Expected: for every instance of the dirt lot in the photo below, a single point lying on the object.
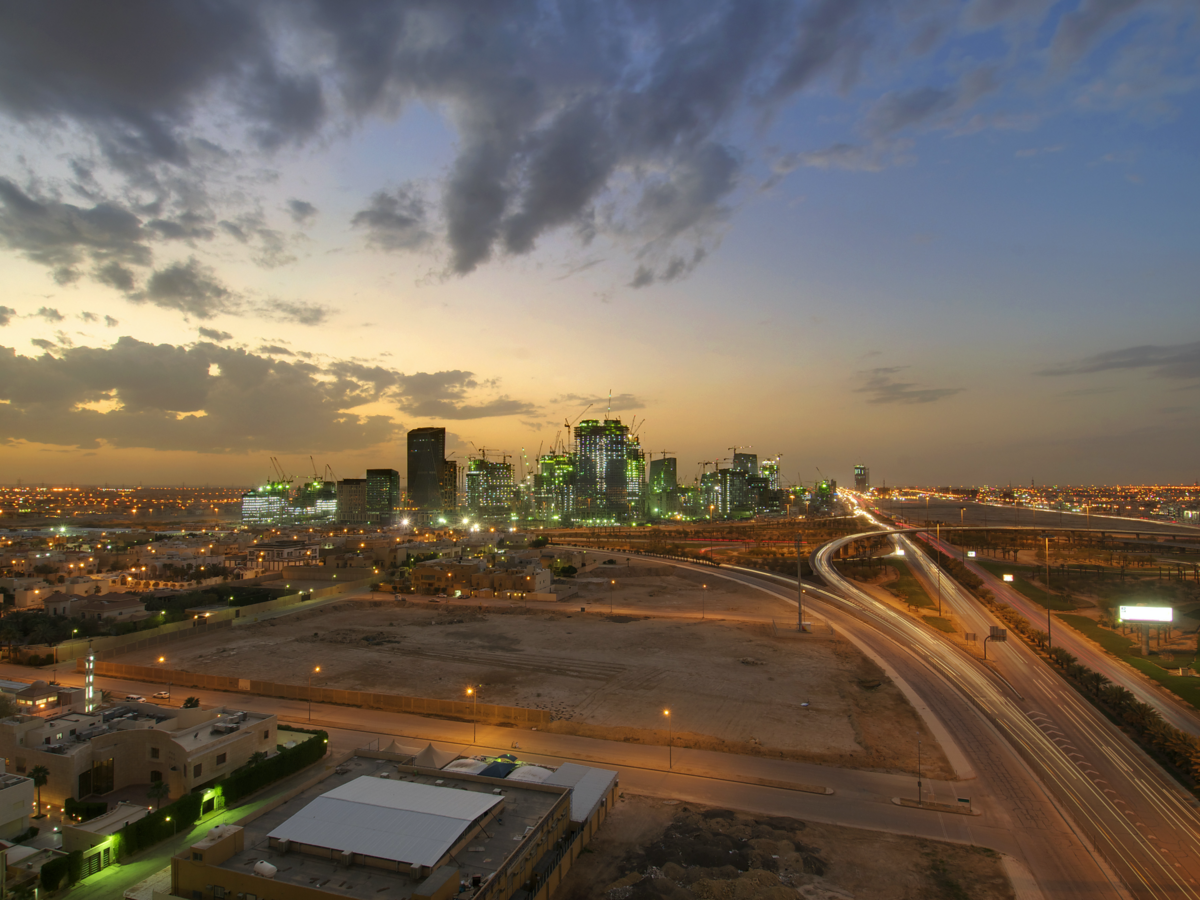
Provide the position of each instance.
(651, 848)
(731, 684)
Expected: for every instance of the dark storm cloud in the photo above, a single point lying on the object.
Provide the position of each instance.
(6, 315)
(883, 387)
(595, 117)
(1181, 361)
(393, 221)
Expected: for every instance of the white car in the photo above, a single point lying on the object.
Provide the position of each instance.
(135, 698)
(162, 695)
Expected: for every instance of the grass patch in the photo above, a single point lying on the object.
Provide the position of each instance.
(940, 623)
(908, 588)
(1026, 588)
(1186, 687)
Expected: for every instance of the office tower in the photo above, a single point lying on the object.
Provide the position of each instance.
(610, 472)
(352, 501)
(426, 469)
(770, 470)
(489, 488)
(383, 496)
(664, 483)
(747, 462)
(449, 486)
(862, 479)
(733, 494)
(554, 488)
(267, 505)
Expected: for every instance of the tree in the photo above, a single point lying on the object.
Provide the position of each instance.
(159, 791)
(191, 703)
(256, 757)
(40, 775)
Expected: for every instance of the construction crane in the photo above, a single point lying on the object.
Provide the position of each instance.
(283, 476)
(329, 476)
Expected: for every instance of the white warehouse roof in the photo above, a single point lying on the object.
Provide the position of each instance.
(396, 820)
(588, 786)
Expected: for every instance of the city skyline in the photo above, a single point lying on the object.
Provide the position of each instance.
(952, 241)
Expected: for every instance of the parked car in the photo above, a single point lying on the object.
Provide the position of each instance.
(136, 698)
(162, 695)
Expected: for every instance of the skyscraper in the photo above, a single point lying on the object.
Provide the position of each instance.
(554, 488)
(352, 501)
(862, 479)
(610, 472)
(383, 496)
(489, 487)
(664, 483)
(426, 469)
(747, 462)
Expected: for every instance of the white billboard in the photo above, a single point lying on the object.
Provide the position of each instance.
(1008, 578)
(1147, 614)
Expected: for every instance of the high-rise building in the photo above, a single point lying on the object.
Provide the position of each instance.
(862, 479)
(733, 493)
(610, 473)
(352, 501)
(554, 489)
(426, 469)
(267, 505)
(315, 502)
(383, 496)
(770, 470)
(747, 462)
(664, 485)
(449, 485)
(489, 488)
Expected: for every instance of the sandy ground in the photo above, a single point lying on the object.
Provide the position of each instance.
(651, 848)
(734, 684)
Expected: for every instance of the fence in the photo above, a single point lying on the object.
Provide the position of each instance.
(422, 706)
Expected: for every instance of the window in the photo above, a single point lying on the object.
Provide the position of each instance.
(266, 735)
(218, 892)
(154, 753)
(221, 759)
(197, 857)
(155, 776)
(197, 769)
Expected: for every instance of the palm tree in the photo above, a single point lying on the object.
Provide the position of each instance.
(158, 792)
(40, 775)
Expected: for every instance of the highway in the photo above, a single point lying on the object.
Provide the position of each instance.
(1143, 824)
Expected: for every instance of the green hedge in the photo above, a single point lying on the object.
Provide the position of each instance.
(248, 779)
(61, 868)
(137, 836)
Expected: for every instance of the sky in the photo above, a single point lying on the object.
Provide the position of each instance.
(955, 241)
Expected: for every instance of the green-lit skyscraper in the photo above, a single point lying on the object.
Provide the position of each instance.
(610, 473)
(489, 488)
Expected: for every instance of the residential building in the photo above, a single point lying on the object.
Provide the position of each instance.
(121, 608)
(96, 839)
(135, 743)
(18, 797)
(274, 556)
(862, 479)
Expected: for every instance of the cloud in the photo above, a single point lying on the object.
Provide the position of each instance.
(110, 322)
(190, 288)
(43, 344)
(7, 314)
(49, 314)
(1177, 361)
(883, 387)
(213, 334)
(274, 350)
(298, 312)
(618, 402)
(853, 157)
(393, 221)
(1079, 30)
(1029, 152)
(301, 211)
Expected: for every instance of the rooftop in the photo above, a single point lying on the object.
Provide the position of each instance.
(523, 808)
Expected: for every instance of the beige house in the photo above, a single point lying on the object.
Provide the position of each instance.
(134, 743)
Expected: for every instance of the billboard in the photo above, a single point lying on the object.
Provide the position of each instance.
(1147, 613)
(1008, 578)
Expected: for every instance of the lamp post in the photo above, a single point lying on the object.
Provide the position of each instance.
(474, 695)
(703, 599)
(938, 564)
(161, 660)
(310, 678)
(612, 583)
(174, 826)
(799, 589)
(919, 794)
(670, 740)
(1048, 632)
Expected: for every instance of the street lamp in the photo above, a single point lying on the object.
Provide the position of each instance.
(919, 794)
(174, 826)
(161, 660)
(474, 695)
(310, 678)
(611, 584)
(670, 740)
(703, 597)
